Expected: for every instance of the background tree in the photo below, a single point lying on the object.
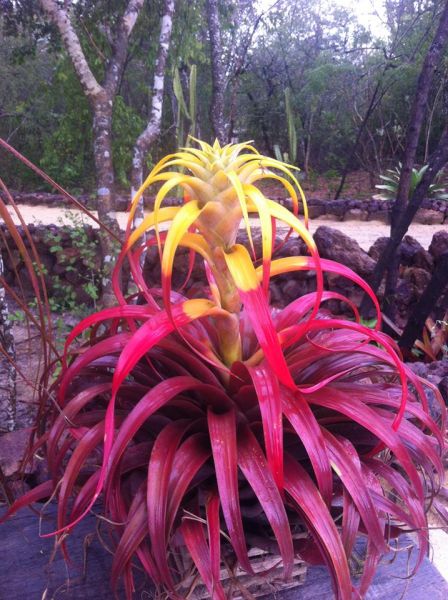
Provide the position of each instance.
(101, 98)
(404, 207)
(152, 129)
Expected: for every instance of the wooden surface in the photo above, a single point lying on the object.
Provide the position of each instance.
(26, 570)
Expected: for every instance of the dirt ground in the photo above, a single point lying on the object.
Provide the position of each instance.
(364, 232)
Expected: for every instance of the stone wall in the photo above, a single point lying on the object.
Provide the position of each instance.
(65, 265)
(70, 261)
(432, 212)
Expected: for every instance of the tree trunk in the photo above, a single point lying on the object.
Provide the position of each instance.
(437, 161)
(147, 137)
(218, 73)
(418, 111)
(8, 372)
(102, 155)
(348, 163)
(417, 116)
(101, 98)
(433, 291)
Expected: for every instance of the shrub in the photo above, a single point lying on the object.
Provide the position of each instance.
(390, 188)
(214, 424)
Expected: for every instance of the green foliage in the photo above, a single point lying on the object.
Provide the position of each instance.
(127, 125)
(80, 256)
(390, 188)
(329, 66)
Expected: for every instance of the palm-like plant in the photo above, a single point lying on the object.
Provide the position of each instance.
(222, 424)
(390, 187)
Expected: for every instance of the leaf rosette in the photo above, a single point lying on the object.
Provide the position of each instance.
(215, 424)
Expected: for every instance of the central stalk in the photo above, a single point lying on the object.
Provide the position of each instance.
(219, 223)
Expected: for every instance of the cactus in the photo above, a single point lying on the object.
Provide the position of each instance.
(291, 156)
(292, 133)
(183, 112)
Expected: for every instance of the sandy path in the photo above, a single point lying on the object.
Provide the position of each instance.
(364, 232)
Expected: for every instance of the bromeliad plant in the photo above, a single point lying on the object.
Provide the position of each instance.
(211, 425)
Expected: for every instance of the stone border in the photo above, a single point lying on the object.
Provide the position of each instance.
(432, 212)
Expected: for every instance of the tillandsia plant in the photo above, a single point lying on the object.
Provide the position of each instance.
(221, 424)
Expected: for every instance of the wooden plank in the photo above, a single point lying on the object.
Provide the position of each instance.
(27, 570)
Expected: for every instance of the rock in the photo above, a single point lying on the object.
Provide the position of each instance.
(335, 245)
(315, 211)
(327, 216)
(435, 372)
(439, 244)
(412, 254)
(356, 214)
(13, 446)
(406, 293)
(428, 216)
(338, 208)
(276, 295)
(417, 277)
(293, 247)
(379, 215)
(377, 248)
(422, 370)
(293, 289)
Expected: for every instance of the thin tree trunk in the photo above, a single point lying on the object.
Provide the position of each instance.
(101, 97)
(152, 130)
(372, 105)
(105, 193)
(433, 291)
(218, 73)
(417, 116)
(8, 372)
(437, 161)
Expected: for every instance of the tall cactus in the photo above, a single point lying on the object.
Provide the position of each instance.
(183, 112)
(292, 133)
(291, 156)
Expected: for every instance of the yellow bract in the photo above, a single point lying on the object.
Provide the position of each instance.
(223, 178)
(219, 188)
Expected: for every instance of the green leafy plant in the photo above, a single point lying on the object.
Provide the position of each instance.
(390, 188)
(215, 424)
(84, 260)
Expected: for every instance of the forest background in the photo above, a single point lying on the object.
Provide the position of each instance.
(306, 79)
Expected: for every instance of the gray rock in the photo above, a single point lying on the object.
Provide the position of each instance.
(412, 254)
(439, 244)
(335, 245)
